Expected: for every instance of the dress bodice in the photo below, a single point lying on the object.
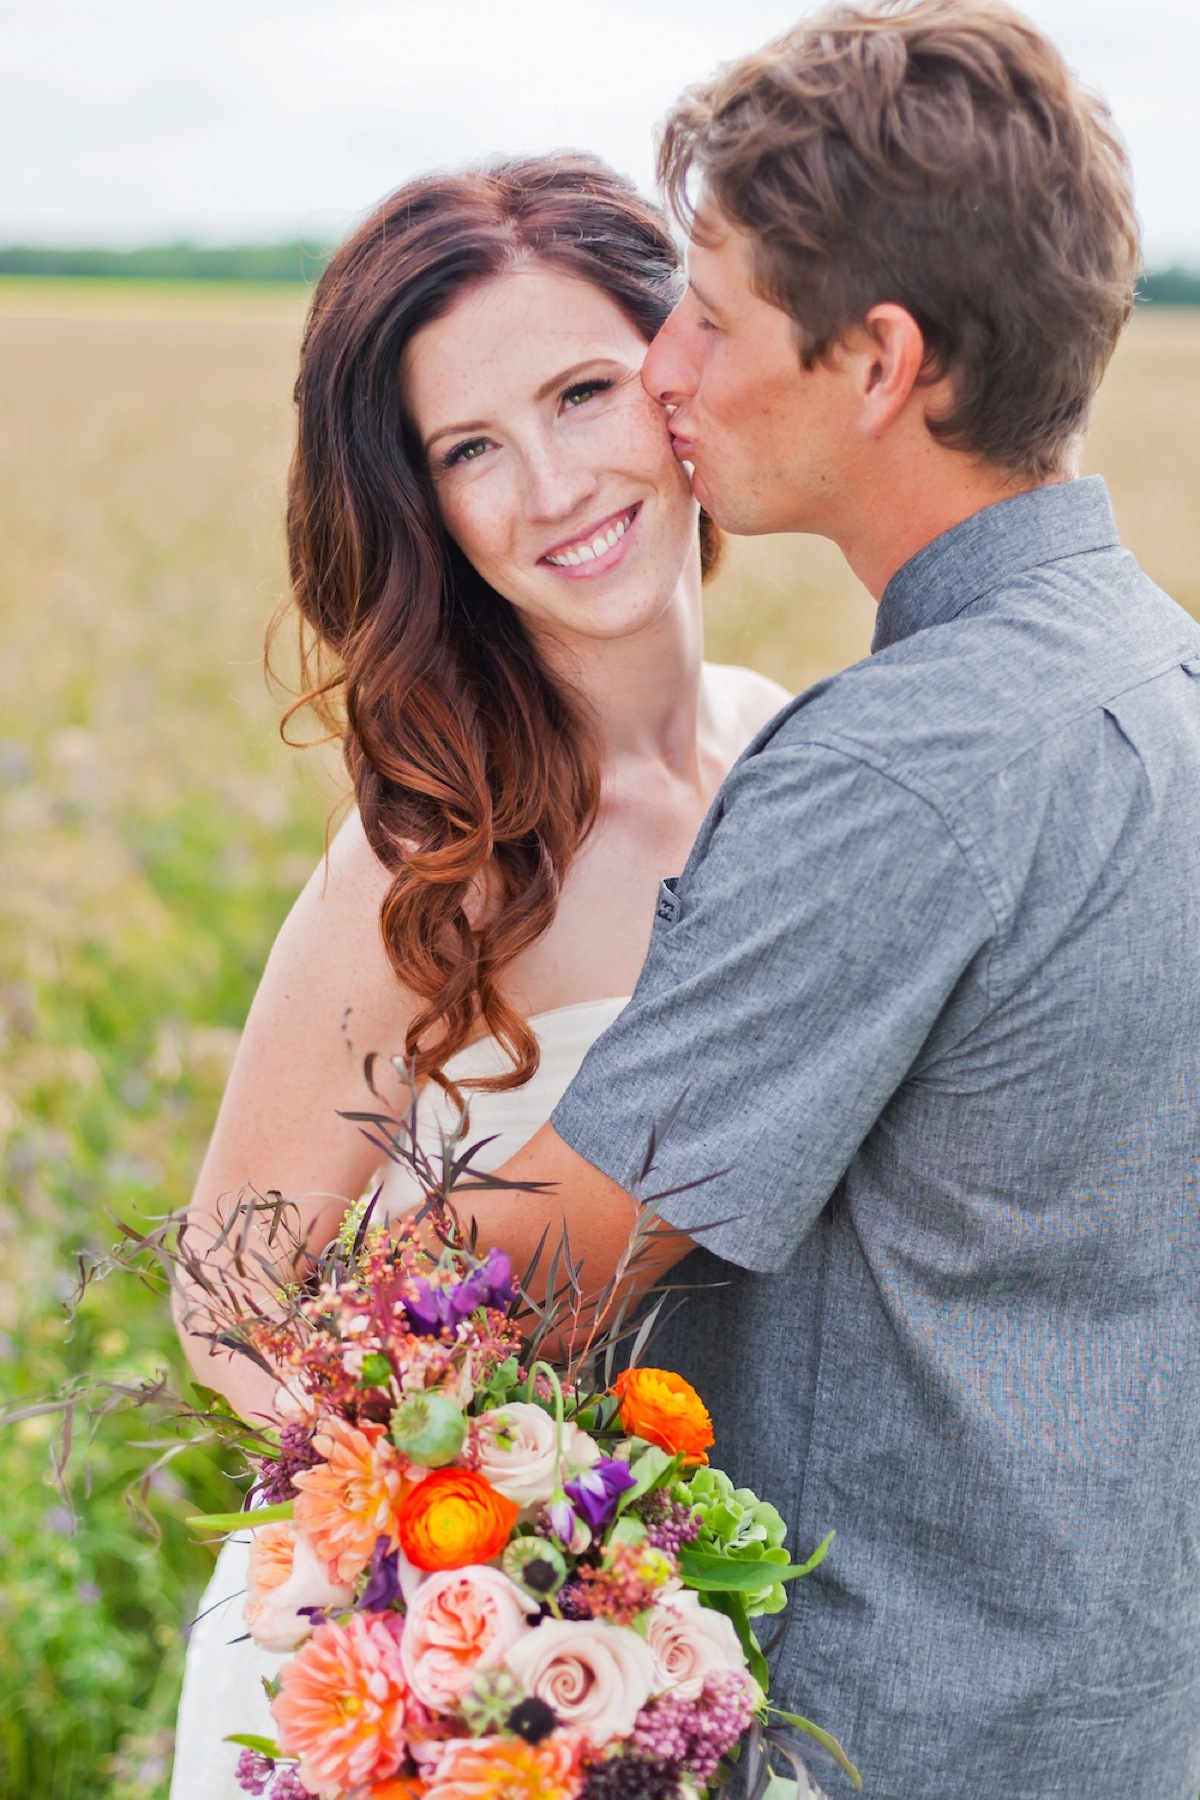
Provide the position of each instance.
(511, 1117)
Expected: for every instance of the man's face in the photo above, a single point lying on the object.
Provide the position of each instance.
(768, 440)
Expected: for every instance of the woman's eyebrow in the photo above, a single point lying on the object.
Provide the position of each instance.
(563, 379)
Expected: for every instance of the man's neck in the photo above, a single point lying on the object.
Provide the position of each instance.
(924, 502)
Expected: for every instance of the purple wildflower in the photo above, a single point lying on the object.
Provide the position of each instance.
(288, 1786)
(253, 1772)
(383, 1579)
(295, 1453)
(696, 1733)
(670, 1524)
(631, 1777)
(597, 1490)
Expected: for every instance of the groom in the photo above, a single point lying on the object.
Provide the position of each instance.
(929, 985)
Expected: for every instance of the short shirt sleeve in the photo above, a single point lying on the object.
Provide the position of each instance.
(825, 918)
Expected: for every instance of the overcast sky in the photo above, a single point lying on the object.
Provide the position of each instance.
(135, 121)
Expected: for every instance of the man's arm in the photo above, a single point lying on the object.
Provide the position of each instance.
(599, 1215)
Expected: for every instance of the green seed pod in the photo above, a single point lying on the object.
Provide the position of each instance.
(376, 1370)
(428, 1429)
(537, 1566)
(486, 1705)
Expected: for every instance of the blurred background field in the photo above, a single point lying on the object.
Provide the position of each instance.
(153, 833)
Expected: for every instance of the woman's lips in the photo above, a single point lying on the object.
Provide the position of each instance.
(607, 559)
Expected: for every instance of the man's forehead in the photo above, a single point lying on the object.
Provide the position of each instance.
(717, 259)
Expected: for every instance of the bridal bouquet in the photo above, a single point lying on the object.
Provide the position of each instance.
(494, 1583)
(498, 1573)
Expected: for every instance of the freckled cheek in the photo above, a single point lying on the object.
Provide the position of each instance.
(481, 524)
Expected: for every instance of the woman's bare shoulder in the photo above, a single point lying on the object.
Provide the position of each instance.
(742, 700)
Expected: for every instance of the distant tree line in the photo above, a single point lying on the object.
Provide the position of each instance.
(293, 261)
(303, 260)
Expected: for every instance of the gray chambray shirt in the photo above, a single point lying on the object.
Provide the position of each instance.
(930, 987)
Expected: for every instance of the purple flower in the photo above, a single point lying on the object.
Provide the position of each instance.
(383, 1579)
(432, 1309)
(488, 1285)
(597, 1490)
(427, 1307)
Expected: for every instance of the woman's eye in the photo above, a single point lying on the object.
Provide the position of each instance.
(470, 451)
(584, 390)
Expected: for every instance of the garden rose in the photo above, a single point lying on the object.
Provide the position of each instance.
(666, 1410)
(284, 1576)
(452, 1518)
(458, 1623)
(596, 1676)
(689, 1641)
(517, 1451)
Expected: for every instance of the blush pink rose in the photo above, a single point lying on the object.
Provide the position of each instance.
(459, 1622)
(689, 1641)
(517, 1451)
(284, 1576)
(595, 1675)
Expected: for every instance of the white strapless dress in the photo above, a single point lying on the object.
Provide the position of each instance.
(223, 1678)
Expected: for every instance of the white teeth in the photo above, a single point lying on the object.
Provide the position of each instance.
(599, 544)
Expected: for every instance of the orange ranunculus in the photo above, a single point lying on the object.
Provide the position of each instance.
(500, 1768)
(452, 1518)
(665, 1410)
(351, 1498)
(399, 1787)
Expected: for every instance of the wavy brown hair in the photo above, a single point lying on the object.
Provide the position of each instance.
(476, 775)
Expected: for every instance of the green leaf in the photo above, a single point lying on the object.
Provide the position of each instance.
(736, 1575)
(261, 1515)
(651, 1468)
(826, 1741)
(248, 1741)
(815, 1560)
(734, 1608)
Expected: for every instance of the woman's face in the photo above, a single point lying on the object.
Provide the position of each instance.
(553, 468)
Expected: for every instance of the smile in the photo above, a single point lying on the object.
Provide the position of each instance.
(594, 546)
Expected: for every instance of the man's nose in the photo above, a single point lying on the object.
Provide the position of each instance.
(668, 374)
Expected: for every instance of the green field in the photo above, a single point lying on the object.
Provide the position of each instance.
(153, 833)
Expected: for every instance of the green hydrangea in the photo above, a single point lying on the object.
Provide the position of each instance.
(734, 1522)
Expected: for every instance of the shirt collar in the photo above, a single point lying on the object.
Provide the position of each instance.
(993, 546)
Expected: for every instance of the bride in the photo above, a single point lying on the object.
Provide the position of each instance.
(497, 561)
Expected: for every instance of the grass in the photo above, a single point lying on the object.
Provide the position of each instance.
(153, 832)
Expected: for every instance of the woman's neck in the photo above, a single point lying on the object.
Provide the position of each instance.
(642, 693)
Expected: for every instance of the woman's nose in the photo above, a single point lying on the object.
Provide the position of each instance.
(557, 482)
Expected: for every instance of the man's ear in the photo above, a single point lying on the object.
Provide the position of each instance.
(888, 350)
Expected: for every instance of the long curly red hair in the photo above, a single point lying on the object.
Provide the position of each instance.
(475, 774)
